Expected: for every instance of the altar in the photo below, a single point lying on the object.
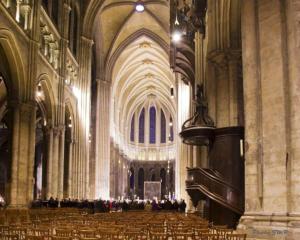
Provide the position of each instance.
(152, 190)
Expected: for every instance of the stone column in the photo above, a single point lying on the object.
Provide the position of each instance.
(234, 60)
(222, 86)
(61, 59)
(21, 191)
(182, 149)
(267, 116)
(293, 157)
(71, 163)
(55, 162)
(49, 161)
(103, 140)
(61, 163)
(75, 170)
(84, 85)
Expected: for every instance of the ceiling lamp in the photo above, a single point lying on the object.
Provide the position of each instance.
(176, 36)
(139, 6)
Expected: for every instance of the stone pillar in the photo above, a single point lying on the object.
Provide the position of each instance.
(293, 158)
(71, 163)
(182, 160)
(75, 170)
(84, 85)
(267, 121)
(21, 191)
(49, 161)
(61, 163)
(293, 33)
(235, 85)
(103, 140)
(55, 162)
(61, 58)
(222, 95)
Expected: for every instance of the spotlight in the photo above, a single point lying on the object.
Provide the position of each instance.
(176, 36)
(139, 7)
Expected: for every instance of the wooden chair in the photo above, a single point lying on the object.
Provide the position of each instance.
(4, 229)
(87, 233)
(4, 236)
(85, 238)
(116, 236)
(209, 236)
(199, 231)
(21, 232)
(236, 236)
(60, 238)
(158, 236)
(43, 232)
(223, 232)
(31, 237)
(64, 232)
(182, 236)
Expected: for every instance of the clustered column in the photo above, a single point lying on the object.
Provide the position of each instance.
(103, 140)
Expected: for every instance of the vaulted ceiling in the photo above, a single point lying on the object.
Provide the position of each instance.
(132, 52)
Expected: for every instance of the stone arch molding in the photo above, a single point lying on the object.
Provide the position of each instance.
(18, 77)
(50, 101)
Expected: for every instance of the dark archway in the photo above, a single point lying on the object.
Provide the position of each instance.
(5, 128)
(153, 177)
(68, 152)
(5, 156)
(131, 179)
(141, 179)
(164, 189)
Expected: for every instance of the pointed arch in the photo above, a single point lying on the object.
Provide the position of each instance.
(142, 126)
(49, 99)
(17, 73)
(152, 125)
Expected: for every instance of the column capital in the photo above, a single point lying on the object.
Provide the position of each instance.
(87, 41)
(67, 7)
(221, 58)
(218, 59)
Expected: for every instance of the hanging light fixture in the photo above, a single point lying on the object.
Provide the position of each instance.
(139, 6)
(177, 34)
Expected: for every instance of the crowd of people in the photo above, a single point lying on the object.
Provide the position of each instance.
(113, 205)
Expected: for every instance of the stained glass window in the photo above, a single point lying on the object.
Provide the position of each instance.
(171, 131)
(152, 124)
(142, 126)
(132, 129)
(162, 127)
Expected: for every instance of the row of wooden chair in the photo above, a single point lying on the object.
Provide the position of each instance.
(73, 224)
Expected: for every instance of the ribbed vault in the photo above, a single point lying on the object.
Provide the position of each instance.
(141, 75)
(132, 52)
